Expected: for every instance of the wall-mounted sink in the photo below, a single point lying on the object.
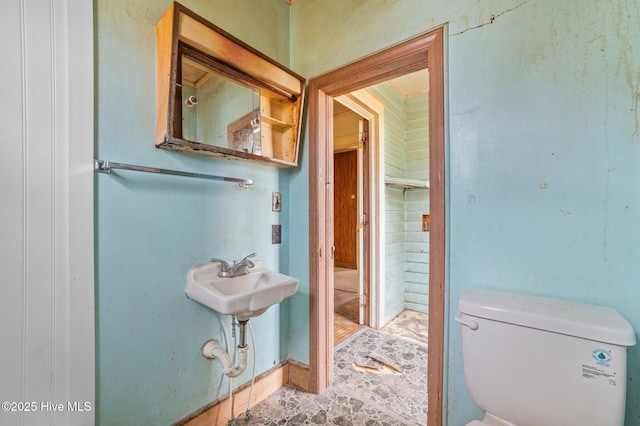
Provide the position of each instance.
(245, 296)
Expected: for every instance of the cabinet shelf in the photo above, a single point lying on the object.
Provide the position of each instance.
(407, 183)
(275, 122)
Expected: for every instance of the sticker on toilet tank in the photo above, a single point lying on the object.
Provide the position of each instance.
(600, 371)
(595, 373)
(601, 356)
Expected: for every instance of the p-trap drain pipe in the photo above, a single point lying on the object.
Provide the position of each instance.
(212, 350)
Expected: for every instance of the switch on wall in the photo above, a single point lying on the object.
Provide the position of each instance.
(276, 202)
(276, 237)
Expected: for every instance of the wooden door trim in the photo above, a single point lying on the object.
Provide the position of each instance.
(372, 111)
(364, 259)
(425, 51)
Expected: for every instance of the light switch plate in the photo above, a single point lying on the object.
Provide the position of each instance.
(276, 202)
(276, 235)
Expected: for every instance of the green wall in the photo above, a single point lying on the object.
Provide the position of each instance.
(406, 155)
(151, 229)
(395, 164)
(543, 147)
(416, 261)
(543, 183)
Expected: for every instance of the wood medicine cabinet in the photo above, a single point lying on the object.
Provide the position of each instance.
(218, 96)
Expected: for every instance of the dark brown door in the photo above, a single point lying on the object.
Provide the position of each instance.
(345, 171)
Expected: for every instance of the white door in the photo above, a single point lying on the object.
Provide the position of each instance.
(46, 205)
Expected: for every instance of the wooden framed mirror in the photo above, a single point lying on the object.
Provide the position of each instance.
(218, 96)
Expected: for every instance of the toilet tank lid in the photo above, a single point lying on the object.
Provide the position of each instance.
(593, 322)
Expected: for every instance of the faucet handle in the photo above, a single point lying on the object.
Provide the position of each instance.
(224, 265)
(249, 263)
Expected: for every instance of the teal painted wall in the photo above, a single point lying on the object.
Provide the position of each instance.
(151, 229)
(543, 148)
(543, 180)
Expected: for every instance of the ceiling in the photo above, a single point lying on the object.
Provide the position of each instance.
(413, 84)
(408, 85)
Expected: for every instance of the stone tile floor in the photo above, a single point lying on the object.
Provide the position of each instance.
(410, 324)
(358, 397)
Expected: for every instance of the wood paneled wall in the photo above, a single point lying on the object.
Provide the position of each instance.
(416, 202)
(406, 144)
(46, 296)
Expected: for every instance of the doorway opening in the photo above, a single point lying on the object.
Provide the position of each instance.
(351, 200)
(393, 297)
(422, 52)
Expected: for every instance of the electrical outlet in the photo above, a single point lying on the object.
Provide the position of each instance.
(426, 222)
(276, 234)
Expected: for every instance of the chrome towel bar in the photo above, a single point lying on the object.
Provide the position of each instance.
(105, 166)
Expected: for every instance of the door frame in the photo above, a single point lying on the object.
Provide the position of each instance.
(371, 110)
(423, 51)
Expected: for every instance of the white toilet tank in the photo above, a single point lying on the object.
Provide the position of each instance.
(533, 361)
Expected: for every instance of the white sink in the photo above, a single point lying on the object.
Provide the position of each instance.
(245, 296)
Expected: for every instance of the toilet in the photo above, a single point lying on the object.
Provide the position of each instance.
(534, 361)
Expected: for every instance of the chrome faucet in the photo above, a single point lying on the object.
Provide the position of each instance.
(237, 268)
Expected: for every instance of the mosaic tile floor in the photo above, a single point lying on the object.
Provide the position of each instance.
(368, 395)
(410, 324)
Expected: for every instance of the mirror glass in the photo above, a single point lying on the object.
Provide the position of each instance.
(215, 109)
